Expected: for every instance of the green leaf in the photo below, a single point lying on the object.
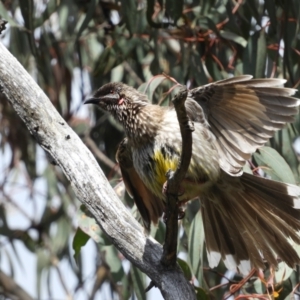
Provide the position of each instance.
(201, 294)
(196, 246)
(4, 15)
(115, 55)
(174, 9)
(43, 264)
(261, 55)
(87, 224)
(289, 36)
(27, 9)
(213, 68)
(150, 13)
(89, 15)
(60, 239)
(196, 68)
(51, 180)
(250, 55)
(129, 12)
(283, 272)
(52, 6)
(117, 73)
(207, 23)
(253, 7)
(138, 279)
(271, 9)
(247, 168)
(79, 240)
(282, 142)
(233, 37)
(258, 286)
(160, 232)
(105, 62)
(127, 288)
(112, 258)
(185, 268)
(274, 165)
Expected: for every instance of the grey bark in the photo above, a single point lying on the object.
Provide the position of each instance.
(66, 149)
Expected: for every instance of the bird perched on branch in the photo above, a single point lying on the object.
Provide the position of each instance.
(246, 218)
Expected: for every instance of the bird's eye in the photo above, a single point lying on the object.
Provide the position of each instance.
(112, 91)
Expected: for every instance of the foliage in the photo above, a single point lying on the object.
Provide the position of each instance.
(68, 46)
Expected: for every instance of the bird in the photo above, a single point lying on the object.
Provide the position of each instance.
(248, 219)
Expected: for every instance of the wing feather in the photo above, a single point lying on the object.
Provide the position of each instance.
(242, 113)
(149, 206)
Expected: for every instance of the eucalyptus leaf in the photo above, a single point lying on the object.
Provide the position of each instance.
(196, 246)
(272, 163)
(6, 16)
(233, 37)
(185, 268)
(79, 240)
(88, 225)
(261, 55)
(138, 279)
(112, 258)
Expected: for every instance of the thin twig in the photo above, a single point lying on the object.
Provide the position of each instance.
(55, 263)
(17, 206)
(236, 287)
(150, 286)
(132, 73)
(174, 179)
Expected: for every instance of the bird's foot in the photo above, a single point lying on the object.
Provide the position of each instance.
(181, 190)
(181, 212)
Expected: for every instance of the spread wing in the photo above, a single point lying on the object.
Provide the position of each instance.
(242, 113)
(149, 206)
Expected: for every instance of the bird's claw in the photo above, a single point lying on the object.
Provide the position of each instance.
(181, 212)
(165, 190)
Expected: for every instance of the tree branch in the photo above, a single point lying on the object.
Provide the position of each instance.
(66, 149)
(174, 179)
(10, 287)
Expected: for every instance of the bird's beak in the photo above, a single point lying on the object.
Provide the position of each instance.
(111, 98)
(92, 101)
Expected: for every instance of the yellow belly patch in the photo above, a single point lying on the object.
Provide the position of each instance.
(163, 165)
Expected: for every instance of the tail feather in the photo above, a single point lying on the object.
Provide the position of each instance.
(290, 192)
(250, 219)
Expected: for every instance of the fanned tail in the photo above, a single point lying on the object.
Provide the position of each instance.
(249, 219)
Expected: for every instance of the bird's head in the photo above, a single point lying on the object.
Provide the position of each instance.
(130, 107)
(117, 97)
